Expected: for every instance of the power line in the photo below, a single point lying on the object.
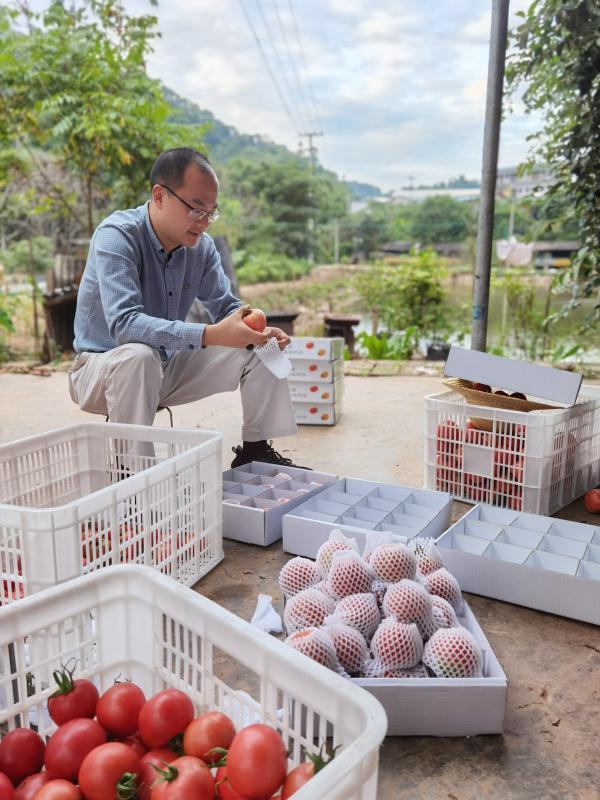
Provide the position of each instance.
(295, 71)
(268, 66)
(303, 58)
(282, 68)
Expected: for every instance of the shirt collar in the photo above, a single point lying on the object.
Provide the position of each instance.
(154, 240)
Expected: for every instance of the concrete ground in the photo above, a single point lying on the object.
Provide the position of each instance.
(549, 749)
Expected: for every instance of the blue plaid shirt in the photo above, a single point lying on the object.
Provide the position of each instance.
(133, 291)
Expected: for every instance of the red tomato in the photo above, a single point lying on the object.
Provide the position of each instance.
(148, 776)
(107, 771)
(208, 731)
(223, 789)
(256, 319)
(21, 754)
(592, 501)
(72, 699)
(69, 745)
(58, 790)
(26, 789)
(257, 761)
(187, 778)
(164, 716)
(7, 791)
(297, 778)
(119, 708)
(136, 744)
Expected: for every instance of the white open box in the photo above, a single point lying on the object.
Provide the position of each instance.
(304, 369)
(254, 501)
(357, 507)
(445, 706)
(319, 392)
(312, 347)
(317, 414)
(540, 562)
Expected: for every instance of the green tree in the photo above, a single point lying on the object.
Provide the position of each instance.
(556, 59)
(74, 85)
(442, 219)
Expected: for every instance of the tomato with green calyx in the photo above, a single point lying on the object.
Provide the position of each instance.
(186, 778)
(257, 761)
(119, 708)
(73, 699)
(110, 772)
(164, 716)
(207, 735)
(148, 776)
(301, 774)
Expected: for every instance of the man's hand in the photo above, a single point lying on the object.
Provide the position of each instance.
(233, 332)
(282, 338)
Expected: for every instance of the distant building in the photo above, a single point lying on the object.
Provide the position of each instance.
(554, 254)
(510, 184)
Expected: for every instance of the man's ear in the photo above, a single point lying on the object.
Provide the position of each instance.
(158, 194)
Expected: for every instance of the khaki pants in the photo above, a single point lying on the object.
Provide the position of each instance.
(129, 383)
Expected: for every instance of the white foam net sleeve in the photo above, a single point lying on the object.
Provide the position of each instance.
(408, 601)
(393, 562)
(360, 611)
(397, 645)
(336, 542)
(307, 609)
(350, 646)
(443, 613)
(316, 644)
(349, 574)
(427, 554)
(297, 574)
(373, 539)
(453, 653)
(444, 584)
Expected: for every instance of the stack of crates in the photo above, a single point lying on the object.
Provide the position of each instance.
(317, 379)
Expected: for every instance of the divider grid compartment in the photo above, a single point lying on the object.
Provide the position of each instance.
(445, 706)
(536, 462)
(132, 621)
(357, 506)
(541, 562)
(77, 499)
(257, 495)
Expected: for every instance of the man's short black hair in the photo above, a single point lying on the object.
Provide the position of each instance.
(170, 166)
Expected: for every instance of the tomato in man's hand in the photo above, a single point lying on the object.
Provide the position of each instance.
(7, 790)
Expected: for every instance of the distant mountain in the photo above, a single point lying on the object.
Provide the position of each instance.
(225, 142)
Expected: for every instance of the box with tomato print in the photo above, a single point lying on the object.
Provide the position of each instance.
(318, 392)
(325, 413)
(481, 448)
(540, 562)
(312, 348)
(317, 370)
(148, 691)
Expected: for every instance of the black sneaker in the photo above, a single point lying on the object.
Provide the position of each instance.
(269, 456)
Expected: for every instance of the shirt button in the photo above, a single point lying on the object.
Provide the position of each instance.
(170, 294)
(191, 346)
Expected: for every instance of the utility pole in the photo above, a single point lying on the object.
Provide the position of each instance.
(312, 160)
(491, 138)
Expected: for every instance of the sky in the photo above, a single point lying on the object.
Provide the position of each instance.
(397, 87)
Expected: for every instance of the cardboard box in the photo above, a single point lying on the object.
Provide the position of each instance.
(445, 706)
(254, 501)
(318, 414)
(548, 383)
(304, 369)
(356, 507)
(303, 391)
(312, 348)
(540, 562)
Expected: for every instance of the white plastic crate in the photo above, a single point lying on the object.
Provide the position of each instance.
(132, 621)
(536, 462)
(77, 499)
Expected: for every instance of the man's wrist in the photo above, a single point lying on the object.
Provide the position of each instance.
(208, 337)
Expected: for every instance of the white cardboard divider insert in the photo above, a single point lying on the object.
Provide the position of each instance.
(445, 706)
(255, 499)
(356, 506)
(312, 347)
(540, 562)
(548, 383)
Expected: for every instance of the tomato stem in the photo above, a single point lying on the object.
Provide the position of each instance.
(176, 744)
(64, 680)
(127, 786)
(167, 774)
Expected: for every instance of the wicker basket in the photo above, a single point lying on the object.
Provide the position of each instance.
(475, 397)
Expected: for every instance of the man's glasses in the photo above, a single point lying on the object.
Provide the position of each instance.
(195, 213)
